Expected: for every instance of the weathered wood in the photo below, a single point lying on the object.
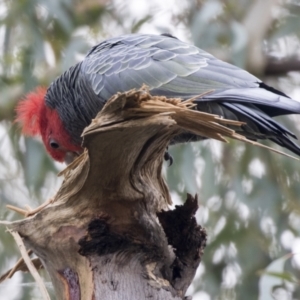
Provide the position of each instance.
(108, 233)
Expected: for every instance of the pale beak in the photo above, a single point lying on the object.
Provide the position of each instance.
(70, 156)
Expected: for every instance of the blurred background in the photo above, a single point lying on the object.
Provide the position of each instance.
(248, 196)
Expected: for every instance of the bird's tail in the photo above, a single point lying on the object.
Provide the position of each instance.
(254, 107)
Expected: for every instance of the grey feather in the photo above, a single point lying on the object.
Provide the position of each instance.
(175, 69)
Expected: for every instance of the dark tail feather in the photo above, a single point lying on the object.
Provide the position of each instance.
(259, 125)
(288, 144)
(264, 126)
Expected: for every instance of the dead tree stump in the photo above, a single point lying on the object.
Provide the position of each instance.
(108, 234)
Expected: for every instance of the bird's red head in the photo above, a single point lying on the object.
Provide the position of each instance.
(39, 119)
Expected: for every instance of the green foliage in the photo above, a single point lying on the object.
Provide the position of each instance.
(248, 196)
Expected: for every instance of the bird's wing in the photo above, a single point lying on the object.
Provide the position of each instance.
(175, 69)
(167, 65)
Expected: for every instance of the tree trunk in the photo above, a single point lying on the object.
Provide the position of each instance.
(108, 234)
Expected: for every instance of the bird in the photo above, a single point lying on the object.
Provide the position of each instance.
(168, 67)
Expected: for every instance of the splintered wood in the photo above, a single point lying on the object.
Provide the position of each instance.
(108, 233)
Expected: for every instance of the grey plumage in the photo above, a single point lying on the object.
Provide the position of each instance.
(174, 69)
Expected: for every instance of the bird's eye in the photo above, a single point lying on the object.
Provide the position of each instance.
(53, 144)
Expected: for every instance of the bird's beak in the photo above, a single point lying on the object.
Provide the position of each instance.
(70, 156)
